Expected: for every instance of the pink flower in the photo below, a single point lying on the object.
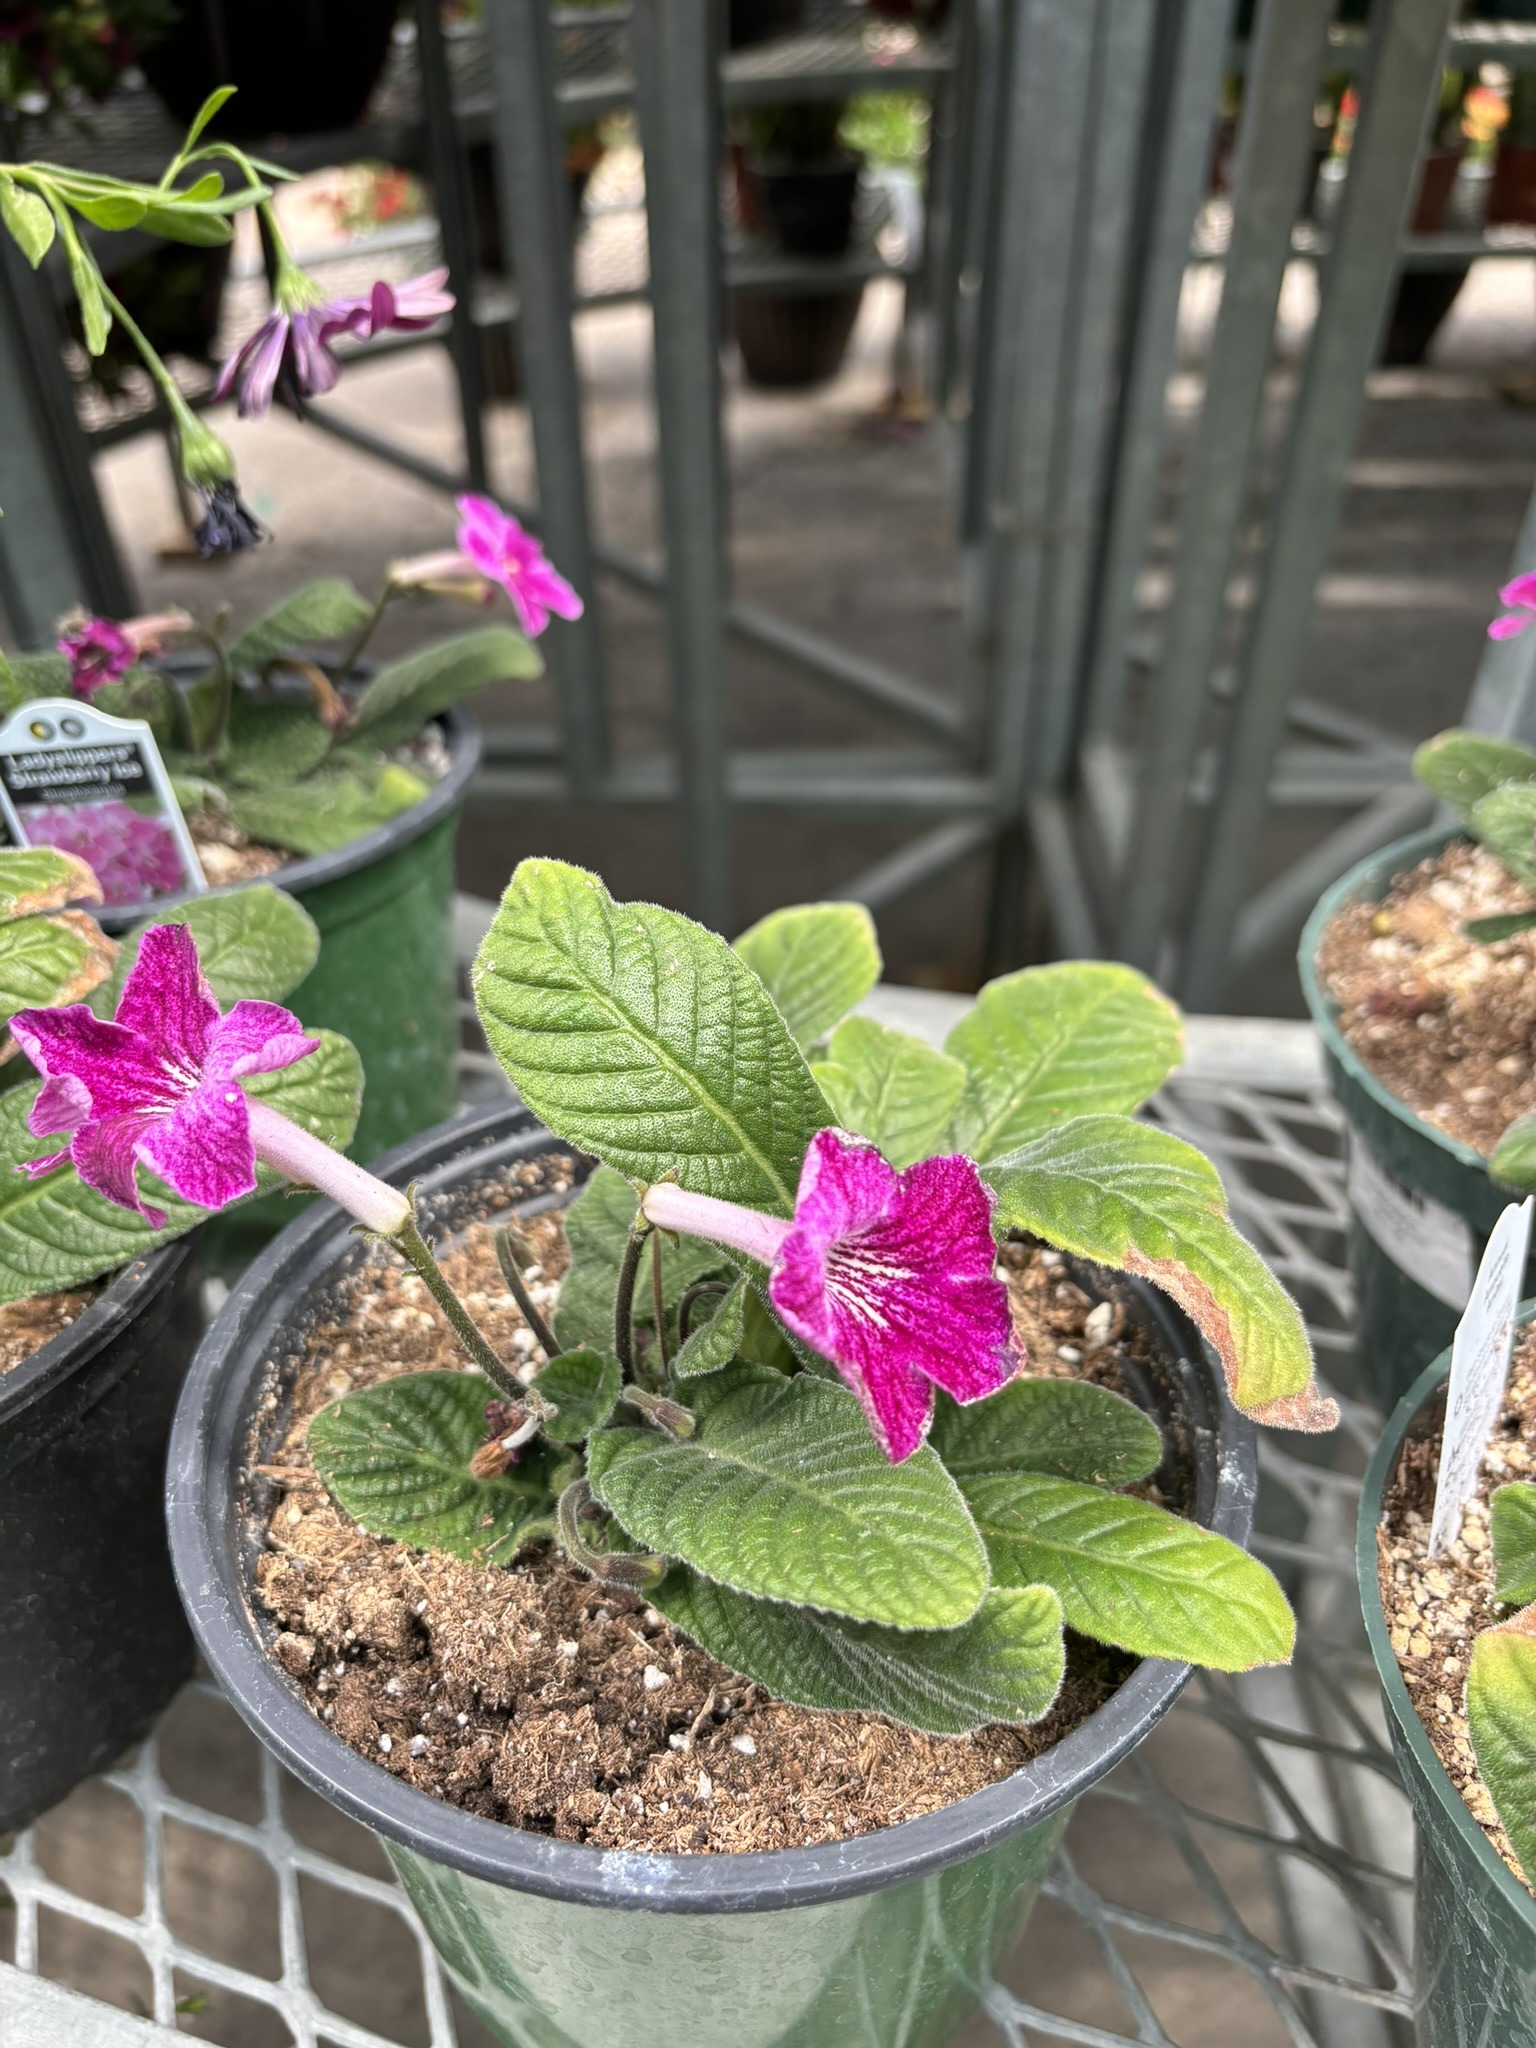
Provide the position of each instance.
(1521, 592)
(131, 856)
(159, 1085)
(498, 548)
(99, 651)
(890, 1275)
(420, 302)
(289, 356)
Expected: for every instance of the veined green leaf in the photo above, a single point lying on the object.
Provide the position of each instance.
(29, 220)
(1505, 821)
(396, 1457)
(254, 943)
(890, 1088)
(1129, 1195)
(1004, 1664)
(596, 1230)
(1464, 767)
(783, 1492)
(40, 675)
(1513, 1522)
(46, 961)
(1132, 1574)
(584, 1386)
(326, 810)
(638, 1035)
(327, 609)
(1501, 1720)
(1066, 1427)
(1488, 931)
(403, 696)
(713, 1339)
(272, 743)
(40, 878)
(114, 211)
(816, 960)
(1051, 1043)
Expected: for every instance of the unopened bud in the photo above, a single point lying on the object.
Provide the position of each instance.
(669, 1416)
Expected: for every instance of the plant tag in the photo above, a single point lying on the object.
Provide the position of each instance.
(1480, 1354)
(1427, 1241)
(95, 786)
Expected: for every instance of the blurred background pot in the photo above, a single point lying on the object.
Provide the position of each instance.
(299, 66)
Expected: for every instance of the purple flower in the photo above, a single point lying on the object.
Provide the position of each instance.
(890, 1275)
(227, 524)
(159, 1085)
(99, 651)
(1521, 592)
(130, 855)
(289, 356)
(501, 550)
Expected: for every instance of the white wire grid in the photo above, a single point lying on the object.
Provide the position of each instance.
(1242, 1879)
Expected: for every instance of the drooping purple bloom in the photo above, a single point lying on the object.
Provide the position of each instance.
(1522, 593)
(227, 524)
(496, 546)
(289, 356)
(159, 1086)
(131, 856)
(890, 1275)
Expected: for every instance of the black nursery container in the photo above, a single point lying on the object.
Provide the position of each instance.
(881, 1938)
(93, 1642)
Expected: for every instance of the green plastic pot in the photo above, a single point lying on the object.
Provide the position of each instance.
(882, 1939)
(1474, 1956)
(385, 977)
(1421, 1205)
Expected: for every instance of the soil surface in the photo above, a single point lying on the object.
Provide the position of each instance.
(534, 1696)
(1447, 1024)
(1436, 1609)
(26, 1326)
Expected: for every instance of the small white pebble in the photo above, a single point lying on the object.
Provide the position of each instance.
(706, 1786)
(341, 1668)
(386, 1744)
(327, 1713)
(393, 1687)
(348, 1636)
(1050, 1259)
(665, 1806)
(1069, 1354)
(418, 1745)
(462, 1720)
(651, 1618)
(744, 1744)
(567, 1649)
(682, 1740)
(1099, 1325)
(421, 1606)
(654, 1678)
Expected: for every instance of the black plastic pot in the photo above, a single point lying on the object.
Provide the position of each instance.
(788, 342)
(93, 1642)
(299, 66)
(881, 1938)
(759, 21)
(809, 207)
(1474, 1948)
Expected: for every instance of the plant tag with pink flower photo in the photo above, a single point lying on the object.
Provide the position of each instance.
(92, 785)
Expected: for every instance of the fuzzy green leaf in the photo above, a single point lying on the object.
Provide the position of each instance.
(713, 1340)
(1066, 1427)
(327, 609)
(40, 878)
(56, 1232)
(1051, 1043)
(783, 1492)
(40, 675)
(1129, 1195)
(272, 744)
(1514, 1542)
(327, 810)
(637, 1035)
(29, 220)
(584, 1386)
(816, 960)
(596, 1230)
(890, 1088)
(1464, 767)
(1004, 1664)
(1513, 1161)
(45, 961)
(254, 943)
(1131, 1573)
(1505, 821)
(401, 698)
(1488, 931)
(396, 1457)
(1501, 1720)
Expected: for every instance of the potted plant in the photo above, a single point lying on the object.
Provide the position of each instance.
(301, 66)
(55, 53)
(287, 761)
(1454, 1643)
(99, 1310)
(796, 189)
(778, 1530)
(1413, 967)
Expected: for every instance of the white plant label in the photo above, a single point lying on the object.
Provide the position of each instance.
(1480, 1355)
(1424, 1239)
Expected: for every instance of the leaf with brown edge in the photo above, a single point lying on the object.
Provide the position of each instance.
(39, 878)
(1501, 1722)
(1130, 1195)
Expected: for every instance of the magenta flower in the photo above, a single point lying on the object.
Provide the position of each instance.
(498, 548)
(99, 651)
(289, 356)
(159, 1085)
(131, 856)
(419, 303)
(1521, 592)
(890, 1275)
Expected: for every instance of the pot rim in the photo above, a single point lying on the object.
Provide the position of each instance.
(465, 740)
(130, 1288)
(1404, 853)
(1410, 1730)
(214, 1592)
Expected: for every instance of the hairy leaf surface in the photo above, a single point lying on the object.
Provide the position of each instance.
(639, 1036)
(328, 809)
(816, 960)
(1501, 1720)
(1004, 1664)
(256, 943)
(272, 744)
(783, 1492)
(1066, 1427)
(1131, 1573)
(46, 961)
(403, 696)
(1464, 767)
(584, 1386)
(891, 1088)
(1513, 1523)
(713, 1338)
(327, 609)
(596, 1230)
(40, 878)
(1505, 821)
(1513, 1160)
(1129, 1195)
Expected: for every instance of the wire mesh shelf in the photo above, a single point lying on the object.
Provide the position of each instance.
(1244, 1877)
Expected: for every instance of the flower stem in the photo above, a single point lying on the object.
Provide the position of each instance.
(624, 1299)
(658, 1300)
(639, 1571)
(364, 634)
(413, 1247)
(692, 1295)
(517, 1287)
